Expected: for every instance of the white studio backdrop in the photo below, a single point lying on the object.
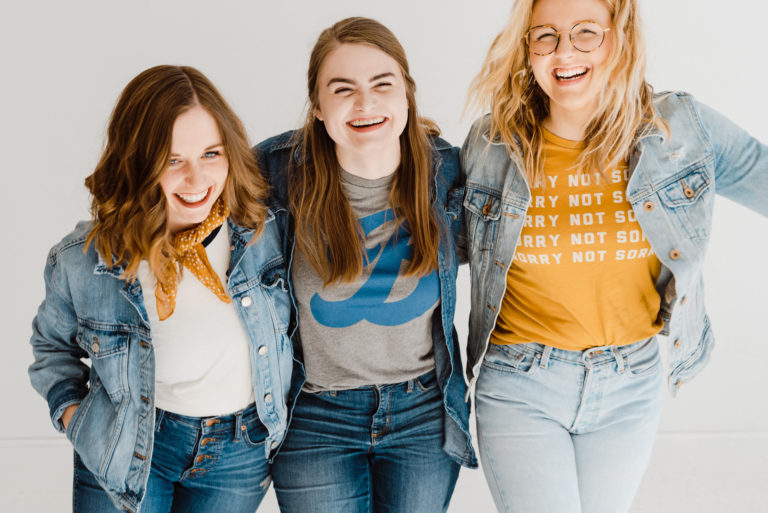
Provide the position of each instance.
(64, 63)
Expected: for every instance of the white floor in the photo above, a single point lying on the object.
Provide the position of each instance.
(688, 474)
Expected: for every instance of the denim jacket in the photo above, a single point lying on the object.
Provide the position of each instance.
(277, 161)
(672, 186)
(89, 312)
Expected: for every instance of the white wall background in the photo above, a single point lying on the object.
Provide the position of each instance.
(63, 65)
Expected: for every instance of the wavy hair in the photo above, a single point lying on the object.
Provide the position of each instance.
(128, 206)
(518, 106)
(327, 232)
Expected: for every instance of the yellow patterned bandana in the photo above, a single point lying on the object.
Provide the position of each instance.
(189, 246)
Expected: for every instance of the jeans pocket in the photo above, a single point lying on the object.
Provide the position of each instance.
(644, 361)
(426, 382)
(512, 359)
(255, 433)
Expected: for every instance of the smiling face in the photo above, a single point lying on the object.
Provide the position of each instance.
(570, 78)
(197, 170)
(361, 99)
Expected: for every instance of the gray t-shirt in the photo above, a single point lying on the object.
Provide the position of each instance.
(375, 330)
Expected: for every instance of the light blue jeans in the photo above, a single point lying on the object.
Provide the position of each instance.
(567, 431)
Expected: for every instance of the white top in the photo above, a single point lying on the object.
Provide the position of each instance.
(202, 354)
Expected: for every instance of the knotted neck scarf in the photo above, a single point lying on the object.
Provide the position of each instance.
(191, 254)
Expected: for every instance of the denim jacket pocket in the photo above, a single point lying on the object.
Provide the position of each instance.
(688, 197)
(273, 280)
(483, 211)
(107, 348)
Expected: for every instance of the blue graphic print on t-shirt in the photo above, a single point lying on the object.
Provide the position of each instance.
(370, 301)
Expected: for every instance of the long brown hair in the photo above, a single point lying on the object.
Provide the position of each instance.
(327, 232)
(518, 105)
(128, 206)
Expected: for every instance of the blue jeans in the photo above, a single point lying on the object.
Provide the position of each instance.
(567, 431)
(370, 449)
(199, 464)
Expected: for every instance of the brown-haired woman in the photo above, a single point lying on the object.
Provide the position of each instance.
(374, 196)
(185, 396)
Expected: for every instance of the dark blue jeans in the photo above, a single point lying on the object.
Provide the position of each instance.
(371, 449)
(199, 464)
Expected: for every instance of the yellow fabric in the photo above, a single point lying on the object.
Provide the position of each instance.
(583, 274)
(189, 246)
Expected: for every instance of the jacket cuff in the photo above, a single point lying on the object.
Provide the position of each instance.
(61, 395)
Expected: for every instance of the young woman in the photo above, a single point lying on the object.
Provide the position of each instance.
(175, 291)
(373, 197)
(588, 208)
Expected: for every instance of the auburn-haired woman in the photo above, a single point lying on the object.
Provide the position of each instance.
(175, 291)
(588, 207)
(374, 196)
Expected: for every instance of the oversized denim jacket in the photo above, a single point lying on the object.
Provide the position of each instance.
(671, 189)
(277, 160)
(89, 312)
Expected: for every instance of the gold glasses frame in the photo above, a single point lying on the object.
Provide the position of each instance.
(527, 37)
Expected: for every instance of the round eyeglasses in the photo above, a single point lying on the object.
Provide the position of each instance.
(585, 36)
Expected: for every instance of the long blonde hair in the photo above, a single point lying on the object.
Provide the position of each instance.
(327, 232)
(128, 206)
(518, 106)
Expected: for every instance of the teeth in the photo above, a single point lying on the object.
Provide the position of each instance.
(367, 122)
(569, 73)
(192, 198)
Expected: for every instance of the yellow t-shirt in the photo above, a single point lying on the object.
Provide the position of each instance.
(583, 274)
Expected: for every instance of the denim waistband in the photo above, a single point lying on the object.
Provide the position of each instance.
(231, 422)
(408, 384)
(589, 357)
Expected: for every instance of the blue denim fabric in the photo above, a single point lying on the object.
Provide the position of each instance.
(369, 449)
(89, 312)
(278, 159)
(671, 189)
(567, 431)
(199, 464)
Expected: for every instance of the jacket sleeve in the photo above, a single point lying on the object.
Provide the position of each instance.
(455, 208)
(741, 161)
(58, 373)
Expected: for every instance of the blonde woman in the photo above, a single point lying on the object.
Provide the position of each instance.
(588, 207)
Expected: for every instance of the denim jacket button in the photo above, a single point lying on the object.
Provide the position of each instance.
(263, 350)
(273, 445)
(677, 343)
(268, 398)
(674, 254)
(683, 301)
(246, 301)
(648, 205)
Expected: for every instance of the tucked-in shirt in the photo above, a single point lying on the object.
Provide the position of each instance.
(583, 274)
(378, 328)
(202, 354)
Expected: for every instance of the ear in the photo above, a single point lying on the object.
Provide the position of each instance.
(318, 114)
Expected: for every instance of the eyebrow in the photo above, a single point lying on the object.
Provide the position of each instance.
(212, 146)
(349, 81)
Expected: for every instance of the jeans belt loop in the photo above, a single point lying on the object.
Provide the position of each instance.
(411, 384)
(238, 423)
(545, 357)
(619, 359)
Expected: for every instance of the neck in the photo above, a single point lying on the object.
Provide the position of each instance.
(369, 164)
(567, 124)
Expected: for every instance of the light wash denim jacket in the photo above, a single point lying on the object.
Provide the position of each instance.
(89, 312)
(277, 161)
(671, 188)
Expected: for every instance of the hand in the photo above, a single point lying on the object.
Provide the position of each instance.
(67, 415)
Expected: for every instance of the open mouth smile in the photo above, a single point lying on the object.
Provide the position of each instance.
(195, 199)
(569, 74)
(367, 124)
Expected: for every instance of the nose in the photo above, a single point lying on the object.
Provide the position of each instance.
(193, 173)
(364, 101)
(565, 46)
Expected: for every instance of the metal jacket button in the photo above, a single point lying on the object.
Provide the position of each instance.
(246, 301)
(674, 254)
(648, 205)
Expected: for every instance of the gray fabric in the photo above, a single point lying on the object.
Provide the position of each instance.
(376, 332)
